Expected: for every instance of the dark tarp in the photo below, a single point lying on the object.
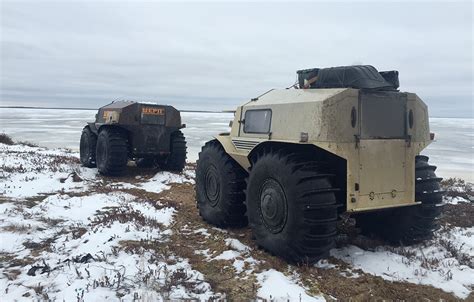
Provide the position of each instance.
(357, 76)
(391, 77)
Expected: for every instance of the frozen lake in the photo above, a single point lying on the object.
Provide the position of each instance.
(453, 151)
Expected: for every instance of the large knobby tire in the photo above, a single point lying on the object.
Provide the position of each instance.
(177, 158)
(112, 151)
(87, 148)
(410, 224)
(220, 184)
(292, 206)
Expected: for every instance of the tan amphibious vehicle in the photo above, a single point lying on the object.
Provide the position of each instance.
(343, 139)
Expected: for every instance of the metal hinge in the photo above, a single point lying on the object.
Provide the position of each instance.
(357, 140)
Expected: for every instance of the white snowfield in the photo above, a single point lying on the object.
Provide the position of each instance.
(64, 272)
(45, 196)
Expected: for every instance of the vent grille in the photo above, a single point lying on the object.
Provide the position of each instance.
(243, 144)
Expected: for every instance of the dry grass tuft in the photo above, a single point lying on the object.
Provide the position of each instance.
(17, 228)
(456, 252)
(458, 215)
(8, 260)
(27, 143)
(6, 139)
(457, 187)
(124, 214)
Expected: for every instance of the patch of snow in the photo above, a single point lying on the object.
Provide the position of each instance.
(239, 265)
(448, 275)
(455, 199)
(6, 207)
(276, 287)
(202, 231)
(122, 185)
(32, 184)
(89, 174)
(12, 242)
(130, 275)
(101, 240)
(29, 171)
(236, 245)
(220, 230)
(190, 174)
(163, 216)
(324, 264)
(227, 255)
(78, 209)
(161, 181)
(463, 239)
(205, 253)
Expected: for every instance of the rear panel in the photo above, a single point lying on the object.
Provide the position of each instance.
(385, 162)
(152, 115)
(152, 135)
(386, 174)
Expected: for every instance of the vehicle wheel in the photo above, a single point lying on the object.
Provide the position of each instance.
(87, 148)
(413, 223)
(292, 206)
(177, 158)
(145, 162)
(220, 184)
(111, 151)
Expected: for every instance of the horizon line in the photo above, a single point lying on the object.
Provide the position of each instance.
(183, 110)
(81, 108)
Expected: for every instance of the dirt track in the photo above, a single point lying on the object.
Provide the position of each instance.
(355, 286)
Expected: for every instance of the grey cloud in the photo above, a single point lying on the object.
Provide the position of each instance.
(213, 56)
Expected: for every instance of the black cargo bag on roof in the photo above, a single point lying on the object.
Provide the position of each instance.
(391, 77)
(357, 76)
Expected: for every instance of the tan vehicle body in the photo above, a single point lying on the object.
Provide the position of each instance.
(380, 171)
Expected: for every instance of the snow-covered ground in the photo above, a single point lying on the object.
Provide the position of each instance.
(67, 237)
(66, 233)
(426, 264)
(452, 152)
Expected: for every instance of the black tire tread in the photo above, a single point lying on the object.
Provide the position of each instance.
(230, 211)
(313, 236)
(116, 164)
(177, 158)
(90, 161)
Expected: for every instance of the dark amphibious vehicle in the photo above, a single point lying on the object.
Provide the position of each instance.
(145, 132)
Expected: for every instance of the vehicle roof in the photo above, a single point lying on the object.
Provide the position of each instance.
(123, 104)
(284, 96)
(118, 104)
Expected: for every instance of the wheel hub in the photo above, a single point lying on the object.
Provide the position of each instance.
(273, 206)
(213, 186)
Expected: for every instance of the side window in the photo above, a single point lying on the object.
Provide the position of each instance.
(257, 121)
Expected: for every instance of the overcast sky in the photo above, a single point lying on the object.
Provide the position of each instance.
(215, 56)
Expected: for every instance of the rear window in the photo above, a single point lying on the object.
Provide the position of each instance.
(257, 121)
(383, 115)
